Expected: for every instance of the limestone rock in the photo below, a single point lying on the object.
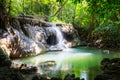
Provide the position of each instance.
(27, 36)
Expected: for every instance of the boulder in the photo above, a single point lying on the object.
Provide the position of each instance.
(110, 68)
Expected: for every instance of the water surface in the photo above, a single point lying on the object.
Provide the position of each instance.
(84, 62)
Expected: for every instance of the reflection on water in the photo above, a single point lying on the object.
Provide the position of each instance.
(84, 75)
(83, 61)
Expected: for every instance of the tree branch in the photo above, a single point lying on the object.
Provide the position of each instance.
(59, 8)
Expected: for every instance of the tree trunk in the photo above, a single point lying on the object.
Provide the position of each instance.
(60, 8)
(4, 15)
(91, 27)
(60, 12)
(23, 7)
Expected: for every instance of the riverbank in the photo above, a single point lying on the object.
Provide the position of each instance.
(15, 71)
(87, 62)
(84, 62)
(104, 36)
(110, 69)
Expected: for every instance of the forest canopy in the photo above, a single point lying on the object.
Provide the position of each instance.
(90, 17)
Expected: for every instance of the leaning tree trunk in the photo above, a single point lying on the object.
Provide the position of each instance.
(60, 8)
(91, 27)
(4, 15)
(60, 12)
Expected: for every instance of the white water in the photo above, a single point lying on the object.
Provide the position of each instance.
(59, 36)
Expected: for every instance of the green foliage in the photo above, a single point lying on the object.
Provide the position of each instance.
(109, 33)
(60, 1)
(95, 17)
(55, 20)
(31, 7)
(76, 1)
(82, 14)
(16, 7)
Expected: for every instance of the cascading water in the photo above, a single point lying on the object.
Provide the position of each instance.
(59, 37)
(60, 45)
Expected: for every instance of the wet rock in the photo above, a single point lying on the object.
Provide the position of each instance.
(7, 62)
(47, 66)
(36, 78)
(68, 77)
(78, 78)
(71, 77)
(32, 37)
(54, 48)
(110, 68)
(48, 63)
(28, 70)
(115, 60)
(56, 78)
(10, 74)
(103, 77)
(4, 60)
(105, 61)
(40, 77)
(82, 79)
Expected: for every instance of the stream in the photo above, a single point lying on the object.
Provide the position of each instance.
(84, 62)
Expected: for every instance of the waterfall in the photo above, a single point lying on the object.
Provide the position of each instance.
(59, 37)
